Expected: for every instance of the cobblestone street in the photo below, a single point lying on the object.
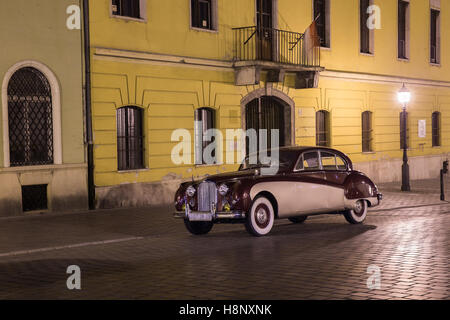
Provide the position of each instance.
(146, 254)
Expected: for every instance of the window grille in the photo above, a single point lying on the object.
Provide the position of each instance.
(367, 131)
(322, 129)
(130, 139)
(436, 129)
(30, 118)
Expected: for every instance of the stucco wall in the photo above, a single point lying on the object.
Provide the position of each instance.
(35, 32)
(66, 187)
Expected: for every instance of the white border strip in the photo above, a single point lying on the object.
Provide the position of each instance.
(79, 245)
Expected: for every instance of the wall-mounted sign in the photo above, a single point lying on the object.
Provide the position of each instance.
(422, 132)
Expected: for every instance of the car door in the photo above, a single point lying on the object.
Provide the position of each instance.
(335, 171)
(308, 194)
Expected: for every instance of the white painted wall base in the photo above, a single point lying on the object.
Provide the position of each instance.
(423, 167)
(66, 191)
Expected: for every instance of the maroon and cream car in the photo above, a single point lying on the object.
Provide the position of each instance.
(309, 181)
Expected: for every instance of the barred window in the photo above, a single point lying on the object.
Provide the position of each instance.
(436, 129)
(126, 8)
(130, 139)
(404, 126)
(322, 128)
(205, 120)
(367, 131)
(30, 118)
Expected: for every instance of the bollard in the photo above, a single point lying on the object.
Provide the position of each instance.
(444, 170)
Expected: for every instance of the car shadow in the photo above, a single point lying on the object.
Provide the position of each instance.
(332, 232)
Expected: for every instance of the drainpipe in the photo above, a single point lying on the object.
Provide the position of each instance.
(87, 95)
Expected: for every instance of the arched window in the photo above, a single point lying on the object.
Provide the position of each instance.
(204, 120)
(323, 128)
(367, 131)
(130, 138)
(436, 128)
(30, 118)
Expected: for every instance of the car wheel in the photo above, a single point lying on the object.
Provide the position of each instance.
(260, 220)
(358, 214)
(300, 219)
(198, 227)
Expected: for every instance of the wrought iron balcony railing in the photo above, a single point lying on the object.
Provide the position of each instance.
(268, 44)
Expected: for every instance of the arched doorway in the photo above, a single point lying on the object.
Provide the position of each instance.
(270, 113)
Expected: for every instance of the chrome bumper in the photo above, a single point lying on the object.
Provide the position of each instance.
(375, 201)
(208, 216)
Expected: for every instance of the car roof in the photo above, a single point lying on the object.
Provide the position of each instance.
(300, 149)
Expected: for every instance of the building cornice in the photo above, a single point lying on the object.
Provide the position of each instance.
(165, 59)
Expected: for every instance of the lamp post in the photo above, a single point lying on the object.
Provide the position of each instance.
(404, 96)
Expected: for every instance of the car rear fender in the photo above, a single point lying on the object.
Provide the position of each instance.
(359, 186)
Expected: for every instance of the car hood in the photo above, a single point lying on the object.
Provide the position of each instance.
(228, 176)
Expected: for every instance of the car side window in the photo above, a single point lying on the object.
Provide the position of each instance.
(331, 161)
(308, 161)
(328, 161)
(341, 164)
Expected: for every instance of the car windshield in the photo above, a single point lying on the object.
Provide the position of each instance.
(253, 162)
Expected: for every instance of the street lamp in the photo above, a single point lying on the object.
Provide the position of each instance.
(404, 96)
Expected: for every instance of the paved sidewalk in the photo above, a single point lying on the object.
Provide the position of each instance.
(146, 254)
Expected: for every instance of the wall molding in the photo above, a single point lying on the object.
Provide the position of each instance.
(156, 58)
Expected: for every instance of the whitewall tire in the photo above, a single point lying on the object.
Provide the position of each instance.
(259, 220)
(358, 214)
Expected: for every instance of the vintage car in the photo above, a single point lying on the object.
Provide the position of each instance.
(309, 181)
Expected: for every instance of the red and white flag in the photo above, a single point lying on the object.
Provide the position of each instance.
(311, 38)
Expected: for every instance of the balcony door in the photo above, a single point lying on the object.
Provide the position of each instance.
(264, 25)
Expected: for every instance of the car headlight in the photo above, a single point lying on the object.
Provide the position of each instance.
(190, 191)
(223, 189)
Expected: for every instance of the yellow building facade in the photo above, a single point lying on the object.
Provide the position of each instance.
(162, 60)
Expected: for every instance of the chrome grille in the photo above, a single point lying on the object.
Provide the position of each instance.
(207, 194)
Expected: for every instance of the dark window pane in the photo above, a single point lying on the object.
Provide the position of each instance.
(402, 11)
(126, 8)
(320, 15)
(365, 32)
(34, 197)
(130, 140)
(30, 118)
(367, 131)
(434, 36)
(201, 11)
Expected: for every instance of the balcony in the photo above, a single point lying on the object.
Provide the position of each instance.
(277, 52)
